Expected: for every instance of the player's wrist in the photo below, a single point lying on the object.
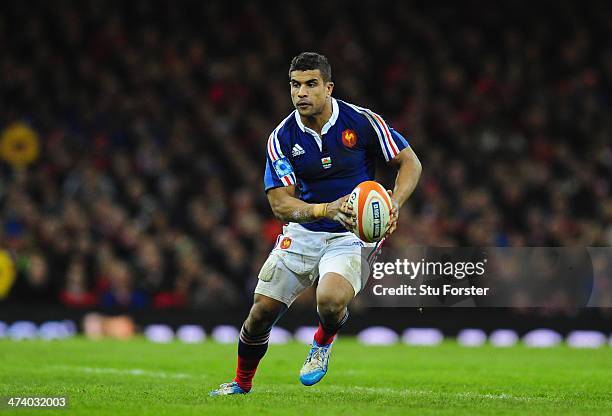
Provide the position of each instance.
(320, 210)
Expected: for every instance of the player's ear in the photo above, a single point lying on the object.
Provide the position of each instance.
(330, 87)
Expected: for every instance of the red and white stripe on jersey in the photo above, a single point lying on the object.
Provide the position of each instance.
(275, 153)
(387, 144)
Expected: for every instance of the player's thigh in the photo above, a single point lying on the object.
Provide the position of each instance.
(346, 262)
(282, 283)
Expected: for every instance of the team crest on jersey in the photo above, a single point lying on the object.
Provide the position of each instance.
(282, 167)
(285, 243)
(326, 162)
(349, 138)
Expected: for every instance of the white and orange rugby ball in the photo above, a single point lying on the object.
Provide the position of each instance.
(372, 206)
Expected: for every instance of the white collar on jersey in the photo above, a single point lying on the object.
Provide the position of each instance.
(326, 126)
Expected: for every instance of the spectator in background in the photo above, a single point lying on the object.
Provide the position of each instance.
(76, 293)
(121, 292)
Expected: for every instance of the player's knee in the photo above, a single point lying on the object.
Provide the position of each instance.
(261, 317)
(330, 304)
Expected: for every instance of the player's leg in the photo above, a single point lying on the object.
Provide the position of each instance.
(253, 343)
(334, 293)
(254, 336)
(344, 271)
(282, 278)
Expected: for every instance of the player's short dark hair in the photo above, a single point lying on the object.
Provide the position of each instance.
(311, 60)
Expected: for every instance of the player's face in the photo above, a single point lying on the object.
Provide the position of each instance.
(309, 92)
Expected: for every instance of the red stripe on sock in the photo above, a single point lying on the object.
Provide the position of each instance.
(322, 337)
(245, 372)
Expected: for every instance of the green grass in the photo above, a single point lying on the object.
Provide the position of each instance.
(139, 377)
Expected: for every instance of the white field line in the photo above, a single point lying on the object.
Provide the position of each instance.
(125, 372)
(429, 393)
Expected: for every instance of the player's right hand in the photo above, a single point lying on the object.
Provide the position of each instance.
(340, 210)
(394, 215)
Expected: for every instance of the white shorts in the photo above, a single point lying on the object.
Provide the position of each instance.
(300, 256)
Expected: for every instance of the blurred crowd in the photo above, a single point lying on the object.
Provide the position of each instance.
(152, 118)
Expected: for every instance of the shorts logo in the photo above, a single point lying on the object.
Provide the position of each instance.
(376, 217)
(349, 138)
(285, 243)
(282, 167)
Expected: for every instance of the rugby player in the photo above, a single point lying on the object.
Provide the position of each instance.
(315, 157)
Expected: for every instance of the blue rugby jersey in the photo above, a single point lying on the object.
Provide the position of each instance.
(326, 168)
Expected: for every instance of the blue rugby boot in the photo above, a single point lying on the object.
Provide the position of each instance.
(315, 366)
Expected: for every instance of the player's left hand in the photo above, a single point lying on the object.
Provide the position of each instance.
(341, 211)
(394, 215)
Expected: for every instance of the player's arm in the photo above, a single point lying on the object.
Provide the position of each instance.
(408, 174)
(286, 207)
(397, 152)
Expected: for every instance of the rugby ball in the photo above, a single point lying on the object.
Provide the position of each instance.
(372, 206)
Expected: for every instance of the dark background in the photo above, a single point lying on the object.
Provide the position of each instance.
(151, 117)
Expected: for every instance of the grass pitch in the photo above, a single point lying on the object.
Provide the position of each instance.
(140, 377)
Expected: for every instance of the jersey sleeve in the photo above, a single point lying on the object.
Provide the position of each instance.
(388, 139)
(279, 171)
